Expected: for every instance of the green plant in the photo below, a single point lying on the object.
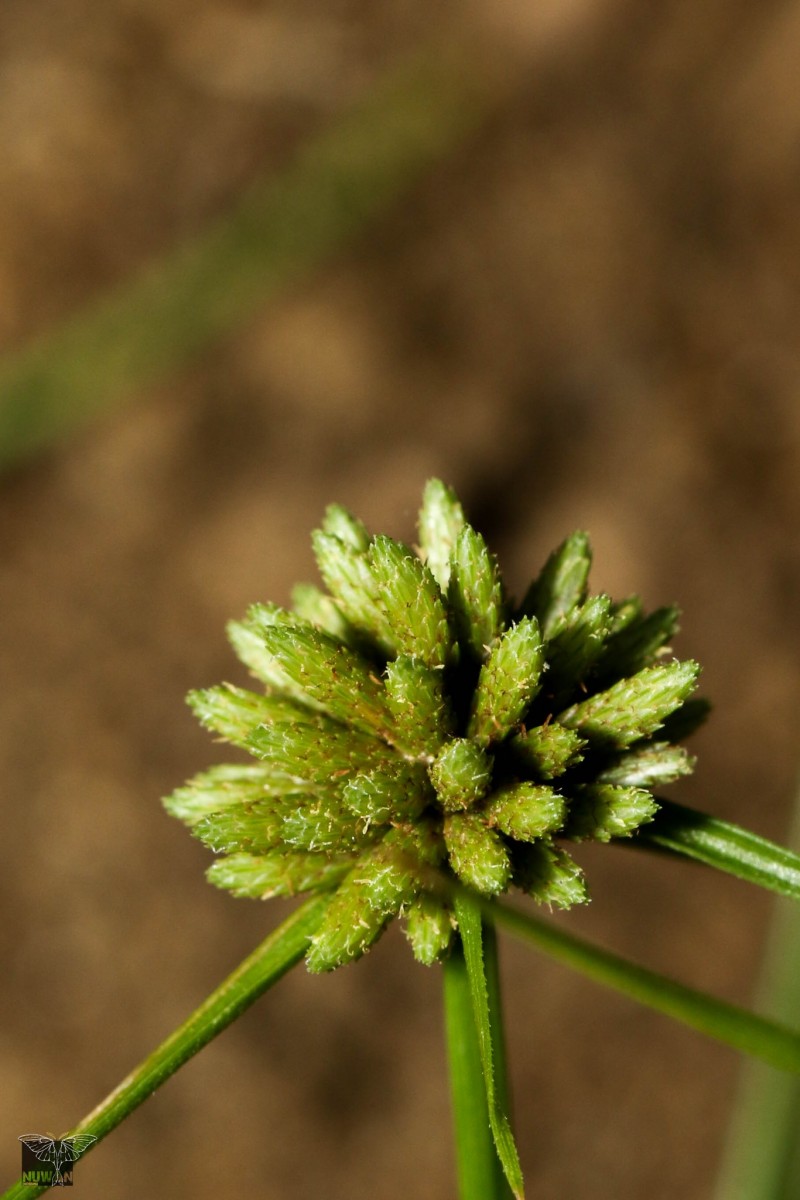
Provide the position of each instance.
(423, 744)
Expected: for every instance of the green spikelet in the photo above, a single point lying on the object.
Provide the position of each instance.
(312, 605)
(409, 602)
(633, 708)
(547, 751)
(262, 876)
(299, 757)
(341, 524)
(220, 787)
(398, 792)
(461, 774)
(441, 519)
(477, 853)
(321, 826)
(561, 586)
(339, 680)
(234, 712)
(382, 881)
(247, 639)
(576, 644)
(508, 681)
(623, 612)
(526, 811)
(638, 643)
(652, 765)
(420, 714)
(475, 594)
(602, 811)
(550, 875)
(428, 928)
(253, 828)
(347, 574)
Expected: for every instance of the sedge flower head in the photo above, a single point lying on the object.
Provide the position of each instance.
(413, 720)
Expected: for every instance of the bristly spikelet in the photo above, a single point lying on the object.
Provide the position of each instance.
(561, 585)
(410, 602)
(475, 593)
(418, 707)
(461, 774)
(429, 928)
(416, 731)
(441, 520)
(508, 681)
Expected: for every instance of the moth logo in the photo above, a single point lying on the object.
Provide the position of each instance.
(48, 1161)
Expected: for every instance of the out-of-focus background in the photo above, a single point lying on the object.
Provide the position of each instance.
(258, 257)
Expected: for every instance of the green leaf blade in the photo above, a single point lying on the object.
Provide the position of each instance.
(726, 847)
(487, 1024)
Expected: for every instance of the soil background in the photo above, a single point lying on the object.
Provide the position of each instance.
(587, 317)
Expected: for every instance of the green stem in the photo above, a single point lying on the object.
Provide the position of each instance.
(264, 967)
(479, 1175)
(491, 962)
(772, 1042)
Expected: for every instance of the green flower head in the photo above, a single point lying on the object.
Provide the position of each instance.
(414, 722)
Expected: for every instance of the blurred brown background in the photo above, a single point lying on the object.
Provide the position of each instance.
(586, 315)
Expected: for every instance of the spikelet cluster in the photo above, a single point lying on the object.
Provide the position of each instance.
(412, 718)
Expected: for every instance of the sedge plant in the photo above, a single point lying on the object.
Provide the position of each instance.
(417, 746)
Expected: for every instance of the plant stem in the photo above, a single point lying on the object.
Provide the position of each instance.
(480, 1175)
(264, 967)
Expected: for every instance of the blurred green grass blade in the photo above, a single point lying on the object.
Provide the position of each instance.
(762, 1154)
(280, 230)
(718, 844)
(471, 927)
(268, 963)
(773, 1043)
